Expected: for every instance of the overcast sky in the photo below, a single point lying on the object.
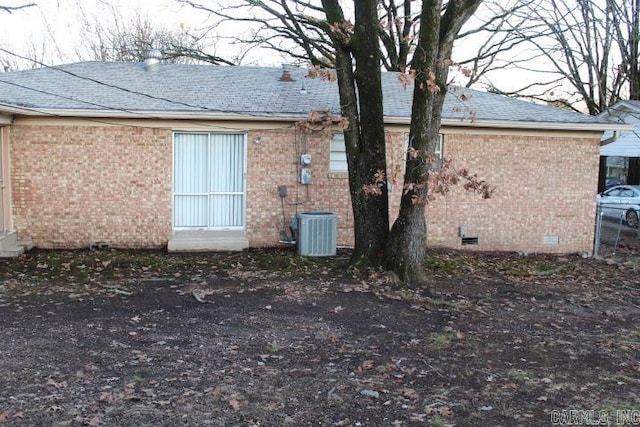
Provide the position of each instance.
(55, 22)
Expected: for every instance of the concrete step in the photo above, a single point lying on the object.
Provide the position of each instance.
(207, 240)
(11, 247)
(11, 253)
(26, 244)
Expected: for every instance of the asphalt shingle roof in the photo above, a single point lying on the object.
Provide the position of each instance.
(128, 87)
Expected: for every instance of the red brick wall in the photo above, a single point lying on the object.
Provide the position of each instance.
(73, 185)
(544, 186)
(275, 161)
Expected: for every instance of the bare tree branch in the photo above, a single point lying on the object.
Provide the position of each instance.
(11, 9)
(588, 44)
(122, 39)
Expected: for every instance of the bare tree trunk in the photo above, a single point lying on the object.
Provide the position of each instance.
(602, 174)
(364, 138)
(304, 30)
(407, 241)
(372, 228)
(406, 246)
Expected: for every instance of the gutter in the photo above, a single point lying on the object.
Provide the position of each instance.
(503, 124)
(292, 117)
(149, 115)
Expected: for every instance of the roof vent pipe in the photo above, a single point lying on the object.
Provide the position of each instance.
(152, 58)
(286, 73)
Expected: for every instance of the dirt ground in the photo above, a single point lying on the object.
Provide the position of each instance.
(268, 338)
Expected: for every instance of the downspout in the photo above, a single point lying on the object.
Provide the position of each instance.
(613, 138)
(603, 160)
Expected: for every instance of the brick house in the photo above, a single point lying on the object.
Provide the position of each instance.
(147, 155)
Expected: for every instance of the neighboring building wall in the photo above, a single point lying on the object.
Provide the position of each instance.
(78, 184)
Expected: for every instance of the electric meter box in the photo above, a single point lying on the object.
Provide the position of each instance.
(305, 176)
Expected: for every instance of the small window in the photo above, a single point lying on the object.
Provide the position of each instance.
(437, 165)
(338, 154)
(438, 149)
(439, 146)
(551, 240)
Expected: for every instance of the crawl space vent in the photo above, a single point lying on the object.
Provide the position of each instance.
(469, 240)
(551, 240)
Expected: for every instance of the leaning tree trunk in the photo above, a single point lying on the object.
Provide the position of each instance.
(406, 245)
(361, 103)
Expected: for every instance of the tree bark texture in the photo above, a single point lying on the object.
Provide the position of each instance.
(361, 102)
(406, 245)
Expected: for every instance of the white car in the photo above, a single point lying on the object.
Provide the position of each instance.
(621, 202)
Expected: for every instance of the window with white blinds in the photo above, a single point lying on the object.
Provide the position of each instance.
(337, 154)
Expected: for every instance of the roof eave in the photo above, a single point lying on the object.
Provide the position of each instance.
(503, 124)
(287, 117)
(625, 104)
(152, 115)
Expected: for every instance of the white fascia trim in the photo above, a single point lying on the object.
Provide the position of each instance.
(158, 115)
(499, 124)
(205, 115)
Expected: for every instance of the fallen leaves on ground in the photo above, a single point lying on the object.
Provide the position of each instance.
(266, 337)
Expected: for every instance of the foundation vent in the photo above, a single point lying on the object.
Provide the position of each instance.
(469, 241)
(551, 240)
